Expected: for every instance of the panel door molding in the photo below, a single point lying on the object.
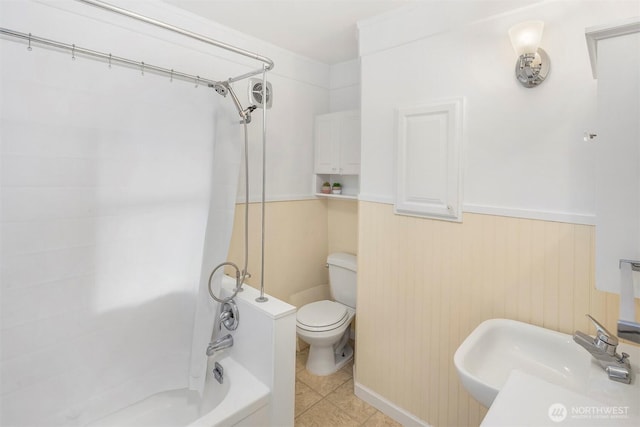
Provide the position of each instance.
(429, 148)
(617, 189)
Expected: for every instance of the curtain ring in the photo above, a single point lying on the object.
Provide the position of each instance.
(197, 81)
(29, 47)
(109, 60)
(142, 68)
(73, 53)
(171, 76)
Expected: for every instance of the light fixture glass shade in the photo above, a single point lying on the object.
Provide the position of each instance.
(526, 36)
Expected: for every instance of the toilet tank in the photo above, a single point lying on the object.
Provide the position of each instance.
(342, 278)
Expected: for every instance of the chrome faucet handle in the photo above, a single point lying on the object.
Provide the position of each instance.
(230, 316)
(605, 340)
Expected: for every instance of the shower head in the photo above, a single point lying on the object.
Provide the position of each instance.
(223, 88)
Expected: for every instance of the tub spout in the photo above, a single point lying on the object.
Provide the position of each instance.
(220, 344)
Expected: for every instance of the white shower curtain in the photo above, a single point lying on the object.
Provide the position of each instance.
(110, 183)
(229, 143)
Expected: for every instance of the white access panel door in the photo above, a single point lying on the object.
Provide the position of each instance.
(429, 160)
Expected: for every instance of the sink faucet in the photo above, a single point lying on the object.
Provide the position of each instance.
(220, 344)
(603, 349)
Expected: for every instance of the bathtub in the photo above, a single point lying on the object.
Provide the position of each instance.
(241, 400)
(259, 376)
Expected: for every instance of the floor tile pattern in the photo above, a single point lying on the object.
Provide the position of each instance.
(329, 401)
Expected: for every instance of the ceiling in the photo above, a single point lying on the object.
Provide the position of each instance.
(323, 30)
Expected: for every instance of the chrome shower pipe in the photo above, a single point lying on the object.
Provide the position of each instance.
(241, 275)
(268, 62)
(262, 298)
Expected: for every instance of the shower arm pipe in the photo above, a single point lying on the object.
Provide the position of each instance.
(268, 62)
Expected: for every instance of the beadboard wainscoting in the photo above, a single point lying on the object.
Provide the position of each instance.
(424, 285)
(295, 245)
(299, 235)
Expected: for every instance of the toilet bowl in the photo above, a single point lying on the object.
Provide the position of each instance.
(325, 325)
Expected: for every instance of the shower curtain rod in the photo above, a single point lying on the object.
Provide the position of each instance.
(269, 63)
(109, 58)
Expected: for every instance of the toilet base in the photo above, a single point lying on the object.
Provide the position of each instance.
(321, 358)
(344, 357)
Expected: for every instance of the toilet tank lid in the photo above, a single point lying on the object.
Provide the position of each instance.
(344, 260)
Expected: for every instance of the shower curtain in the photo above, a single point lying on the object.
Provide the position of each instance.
(109, 185)
(226, 168)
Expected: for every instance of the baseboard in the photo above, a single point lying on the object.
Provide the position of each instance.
(388, 408)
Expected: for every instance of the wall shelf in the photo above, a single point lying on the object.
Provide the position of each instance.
(338, 196)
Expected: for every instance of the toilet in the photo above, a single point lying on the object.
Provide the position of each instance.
(325, 325)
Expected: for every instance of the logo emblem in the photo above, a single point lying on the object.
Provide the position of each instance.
(557, 412)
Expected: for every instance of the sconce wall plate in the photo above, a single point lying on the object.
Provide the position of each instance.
(530, 70)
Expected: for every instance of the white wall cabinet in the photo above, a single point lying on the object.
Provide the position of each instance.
(337, 143)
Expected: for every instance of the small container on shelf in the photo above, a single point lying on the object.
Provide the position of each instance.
(336, 188)
(326, 188)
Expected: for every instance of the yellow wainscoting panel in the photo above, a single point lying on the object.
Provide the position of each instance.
(342, 220)
(295, 245)
(424, 285)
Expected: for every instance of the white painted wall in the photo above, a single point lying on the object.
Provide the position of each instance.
(289, 142)
(345, 86)
(525, 154)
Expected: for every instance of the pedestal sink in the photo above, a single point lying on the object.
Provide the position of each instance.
(497, 347)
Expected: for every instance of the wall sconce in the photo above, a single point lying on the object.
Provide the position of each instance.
(533, 63)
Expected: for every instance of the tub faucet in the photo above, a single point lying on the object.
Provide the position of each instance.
(603, 349)
(220, 344)
(229, 316)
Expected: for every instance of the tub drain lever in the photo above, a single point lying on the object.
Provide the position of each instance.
(218, 373)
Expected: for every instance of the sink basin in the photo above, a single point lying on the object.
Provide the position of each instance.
(497, 347)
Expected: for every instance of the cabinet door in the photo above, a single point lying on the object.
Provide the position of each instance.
(617, 192)
(350, 143)
(325, 139)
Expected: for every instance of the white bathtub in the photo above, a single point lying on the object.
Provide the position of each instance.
(259, 377)
(241, 400)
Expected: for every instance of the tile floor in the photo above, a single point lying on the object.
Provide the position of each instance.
(329, 401)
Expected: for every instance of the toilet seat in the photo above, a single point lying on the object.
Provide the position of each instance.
(322, 316)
